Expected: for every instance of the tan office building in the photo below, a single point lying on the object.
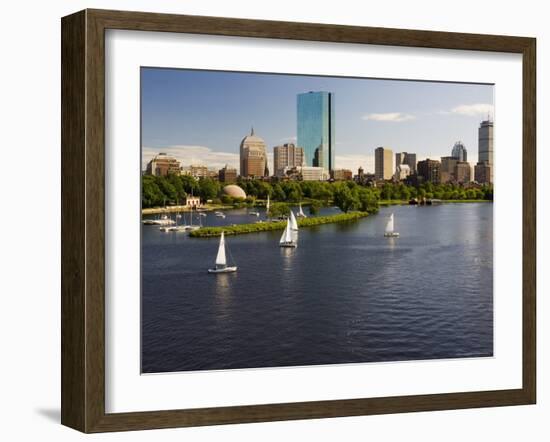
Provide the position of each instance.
(287, 155)
(253, 156)
(448, 169)
(383, 164)
(463, 172)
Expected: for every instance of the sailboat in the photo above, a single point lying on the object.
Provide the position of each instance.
(288, 238)
(390, 232)
(301, 213)
(221, 260)
(293, 222)
(191, 226)
(267, 205)
(175, 227)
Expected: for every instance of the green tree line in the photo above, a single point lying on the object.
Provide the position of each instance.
(347, 195)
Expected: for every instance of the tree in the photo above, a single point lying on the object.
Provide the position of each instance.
(278, 209)
(168, 189)
(278, 193)
(176, 181)
(488, 193)
(293, 191)
(151, 195)
(387, 192)
(325, 193)
(344, 199)
(314, 208)
(367, 201)
(208, 189)
(264, 190)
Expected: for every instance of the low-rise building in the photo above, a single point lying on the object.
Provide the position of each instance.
(430, 171)
(402, 171)
(199, 171)
(364, 178)
(162, 165)
(192, 201)
(342, 174)
(483, 172)
(227, 174)
(306, 173)
(406, 158)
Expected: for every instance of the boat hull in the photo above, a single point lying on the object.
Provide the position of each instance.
(291, 245)
(224, 270)
(174, 229)
(391, 235)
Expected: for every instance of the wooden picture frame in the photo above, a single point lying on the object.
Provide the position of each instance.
(83, 220)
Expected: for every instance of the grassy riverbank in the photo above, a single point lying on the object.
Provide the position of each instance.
(207, 232)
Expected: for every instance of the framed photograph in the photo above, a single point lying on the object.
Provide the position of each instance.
(268, 221)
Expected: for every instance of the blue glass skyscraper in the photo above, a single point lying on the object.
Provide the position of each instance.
(316, 128)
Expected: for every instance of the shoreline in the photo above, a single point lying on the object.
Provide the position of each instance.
(213, 207)
(175, 209)
(268, 226)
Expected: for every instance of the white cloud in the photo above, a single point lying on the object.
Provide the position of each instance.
(292, 139)
(188, 155)
(354, 161)
(472, 110)
(198, 155)
(393, 117)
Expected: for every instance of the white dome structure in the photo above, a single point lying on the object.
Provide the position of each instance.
(234, 191)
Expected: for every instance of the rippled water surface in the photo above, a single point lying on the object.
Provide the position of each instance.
(345, 295)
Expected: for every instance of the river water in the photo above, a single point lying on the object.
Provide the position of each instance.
(346, 294)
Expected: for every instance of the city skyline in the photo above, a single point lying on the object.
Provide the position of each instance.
(199, 116)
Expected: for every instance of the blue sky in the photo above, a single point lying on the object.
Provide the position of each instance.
(202, 116)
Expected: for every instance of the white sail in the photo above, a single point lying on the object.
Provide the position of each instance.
(389, 226)
(301, 212)
(220, 258)
(293, 222)
(267, 205)
(286, 237)
(283, 236)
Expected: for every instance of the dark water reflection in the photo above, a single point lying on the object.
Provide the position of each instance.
(346, 294)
